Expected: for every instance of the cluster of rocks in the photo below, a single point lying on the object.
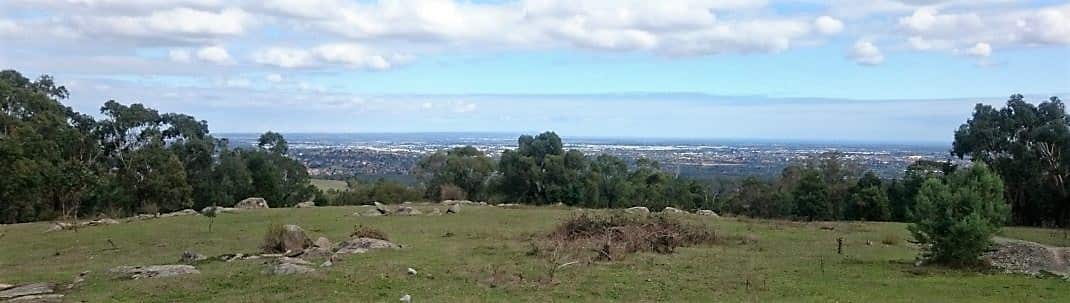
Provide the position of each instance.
(249, 203)
(641, 210)
(298, 246)
(406, 209)
(33, 292)
(1031, 258)
(154, 271)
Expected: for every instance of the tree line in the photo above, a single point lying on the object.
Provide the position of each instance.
(539, 171)
(59, 163)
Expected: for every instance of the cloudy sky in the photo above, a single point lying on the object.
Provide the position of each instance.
(877, 70)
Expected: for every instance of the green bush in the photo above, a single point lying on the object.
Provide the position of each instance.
(955, 218)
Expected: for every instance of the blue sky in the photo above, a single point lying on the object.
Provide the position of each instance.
(881, 70)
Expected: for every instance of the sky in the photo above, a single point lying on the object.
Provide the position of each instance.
(878, 70)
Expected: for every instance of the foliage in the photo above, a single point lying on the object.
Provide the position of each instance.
(466, 168)
(361, 231)
(955, 218)
(58, 163)
(1029, 146)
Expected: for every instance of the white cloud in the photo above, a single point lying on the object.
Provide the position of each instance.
(8, 27)
(345, 54)
(275, 78)
(865, 53)
(180, 55)
(828, 25)
(980, 50)
(214, 54)
(183, 24)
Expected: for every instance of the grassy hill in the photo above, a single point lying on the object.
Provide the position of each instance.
(481, 254)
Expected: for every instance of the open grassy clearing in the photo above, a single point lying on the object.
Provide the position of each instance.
(1053, 237)
(482, 254)
(325, 185)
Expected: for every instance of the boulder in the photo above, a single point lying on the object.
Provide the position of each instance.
(218, 210)
(454, 209)
(58, 226)
(322, 242)
(408, 211)
(672, 210)
(363, 245)
(251, 203)
(306, 204)
(382, 208)
(28, 290)
(706, 212)
(637, 210)
(98, 222)
(435, 212)
(155, 271)
(293, 239)
(368, 213)
(190, 257)
(5, 286)
(49, 298)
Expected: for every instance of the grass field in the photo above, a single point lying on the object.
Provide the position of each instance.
(482, 255)
(324, 184)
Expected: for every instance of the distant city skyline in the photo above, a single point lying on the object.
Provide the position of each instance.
(873, 71)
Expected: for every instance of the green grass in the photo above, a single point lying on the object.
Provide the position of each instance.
(1053, 237)
(325, 185)
(481, 255)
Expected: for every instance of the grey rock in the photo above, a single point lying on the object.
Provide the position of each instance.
(5, 286)
(252, 203)
(363, 245)
(454, 209)
(637, 210)
(155, 271)
(381, 208)
(27, 290)
(323, 242)
(706, 212)
(306, 204)
(49, 298)
(408, 211)
(672, 210)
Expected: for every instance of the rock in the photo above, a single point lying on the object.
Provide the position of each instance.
(381, 208)
(219, 210)
(142, 217)
(1019, 256)
(98, 222)
(155, 271)
(435, 212)
(184, 212)
(707, 212)
(323, 242)
(27, 290)
(412, 272)
(327, 263)
(453, 209)
(293, 239)
(297, 261)
(369, 213)
(49, 298)
(406, 298)
(281, 269)
(58, 226)
(509, 205)
(78, 280)
(251, 203)
(637, 210)
(5, 286)
(672, 210)
(408, 211)
(363, 245)
(306, 204)
(190, 257)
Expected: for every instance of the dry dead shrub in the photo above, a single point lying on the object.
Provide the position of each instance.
(273, 239)
(361, 231)
(612, 236)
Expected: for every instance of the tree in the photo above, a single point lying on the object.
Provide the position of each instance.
(464, 167)
(868, 200)
(273, 142)
(812, 198)
(955, 218)
(1029, 147)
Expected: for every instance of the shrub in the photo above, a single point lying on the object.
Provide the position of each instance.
(956, 218)
(612, 236)
(273, 239)
(361, 231)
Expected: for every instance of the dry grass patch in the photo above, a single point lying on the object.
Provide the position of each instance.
(361, 231)
(608, 237)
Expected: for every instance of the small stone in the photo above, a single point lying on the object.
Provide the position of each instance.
(639, 210)
(672, 210)
(707, 212)
(327, 263)
(306, 204)
(322, 242)
(412, 272)
(406, 298)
